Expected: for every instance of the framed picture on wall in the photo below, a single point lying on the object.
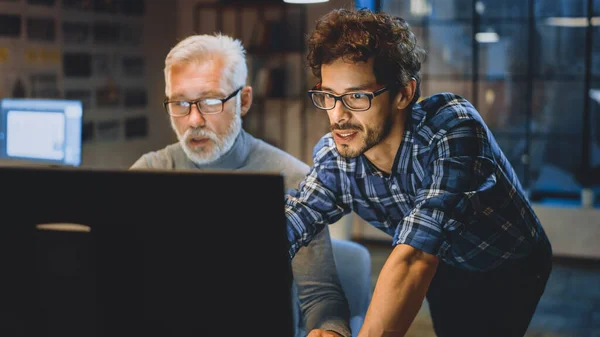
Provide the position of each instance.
(132, 66)
(77, 64)
(11, 25)
(105, 6)
(109, 130)
(48, 3)
(131, 34)
(135, 97)
(103, 65)
(83, 95)
(104, 32)
(108, 96)
(133, 7)
(136, 127)
(44, 85)
(75, 32)
(41, 29)
(87, 132)
(82, 5)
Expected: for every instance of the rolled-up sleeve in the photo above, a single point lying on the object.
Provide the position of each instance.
(460, 166)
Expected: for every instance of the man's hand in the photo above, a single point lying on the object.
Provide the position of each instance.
(323, 333)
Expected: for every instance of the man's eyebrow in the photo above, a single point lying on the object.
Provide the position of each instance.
(175, 98)
(200, 95)
(364, 87)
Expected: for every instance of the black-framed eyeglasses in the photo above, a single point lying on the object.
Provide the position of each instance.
(353, 101)
(206, 106)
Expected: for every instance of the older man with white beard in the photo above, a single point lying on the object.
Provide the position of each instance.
(206, 97)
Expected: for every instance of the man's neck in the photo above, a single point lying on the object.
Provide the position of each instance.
(383, 154)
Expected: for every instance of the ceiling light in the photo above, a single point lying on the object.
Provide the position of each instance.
(479, 7)
(595, 95)
(64, 227)
(420, 8)
(572, 21)
(304, 1)
(487, 37)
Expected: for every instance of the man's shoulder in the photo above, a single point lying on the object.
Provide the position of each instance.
(271, 157)
(266, 157)
(441, 112)
(325, 150)
(164, 158)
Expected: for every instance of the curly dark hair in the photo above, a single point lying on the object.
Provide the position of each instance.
(358, 35)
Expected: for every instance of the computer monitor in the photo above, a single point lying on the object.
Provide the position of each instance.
(148, 253)
(40, 131)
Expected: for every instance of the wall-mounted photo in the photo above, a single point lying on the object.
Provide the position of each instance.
(80, 5)
(77, 64)
(133, 7)
(48, 3)
(11, 25)
(135, 98)
(106, 32)
(87, 132)
(131, 34)
(44, 85)
(75, 32)
(108, 130)
(136, 127)
(132, 66)
(103, 65)
(106, 6)
(83, 95)
(108, 96)
(41, 29)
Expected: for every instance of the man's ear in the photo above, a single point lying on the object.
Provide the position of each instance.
(246, 99)
(405, 95)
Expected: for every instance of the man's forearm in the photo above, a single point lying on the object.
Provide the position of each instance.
(399, 292)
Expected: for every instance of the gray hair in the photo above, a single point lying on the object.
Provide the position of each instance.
(197, 48)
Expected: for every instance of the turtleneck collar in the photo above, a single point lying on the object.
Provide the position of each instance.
(234, 158)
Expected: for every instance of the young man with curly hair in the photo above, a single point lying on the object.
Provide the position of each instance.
(427, 172)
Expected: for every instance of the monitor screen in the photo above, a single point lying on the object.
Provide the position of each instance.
(143, 253)
(41, 130)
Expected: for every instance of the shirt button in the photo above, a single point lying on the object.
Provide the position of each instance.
(394, 187)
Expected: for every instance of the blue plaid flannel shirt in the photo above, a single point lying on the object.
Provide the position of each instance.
(452, 192)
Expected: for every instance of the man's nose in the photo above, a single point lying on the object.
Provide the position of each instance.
(195, 118)
(339, 114)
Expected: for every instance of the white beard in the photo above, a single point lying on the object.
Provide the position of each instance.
(220, 145)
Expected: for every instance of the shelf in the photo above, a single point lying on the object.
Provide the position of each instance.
(272, 33)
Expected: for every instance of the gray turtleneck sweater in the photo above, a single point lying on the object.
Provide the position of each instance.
(317, 289)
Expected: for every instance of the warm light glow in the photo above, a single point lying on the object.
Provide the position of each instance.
(304, 1)
(487, 37)
(64, 227)
(572, 22)
(490, 96)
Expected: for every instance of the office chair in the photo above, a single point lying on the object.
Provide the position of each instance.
(353, 262)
